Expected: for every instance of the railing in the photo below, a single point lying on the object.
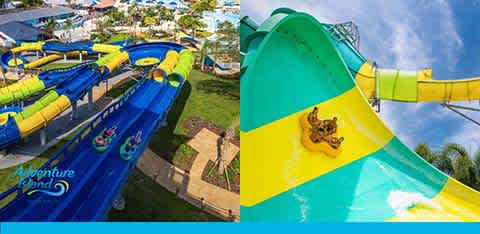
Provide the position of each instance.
(346, 31)
(70, 145)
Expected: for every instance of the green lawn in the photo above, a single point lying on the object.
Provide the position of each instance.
(146, 200)
(211, 98)
(205, 96)
(51, 66)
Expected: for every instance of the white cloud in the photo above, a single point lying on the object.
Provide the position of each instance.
(395, 34)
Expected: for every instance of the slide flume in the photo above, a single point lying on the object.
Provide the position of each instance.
(291, 64)
(100, 175)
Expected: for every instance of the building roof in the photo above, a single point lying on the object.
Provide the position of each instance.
(105, 4)
(34, 14)
(20, 31)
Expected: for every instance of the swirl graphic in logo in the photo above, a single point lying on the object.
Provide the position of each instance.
(62, 186)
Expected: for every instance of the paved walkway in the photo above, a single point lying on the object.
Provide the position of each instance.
(190, 186)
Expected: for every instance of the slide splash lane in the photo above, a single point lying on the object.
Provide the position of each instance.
(372, 177)
(101, 174)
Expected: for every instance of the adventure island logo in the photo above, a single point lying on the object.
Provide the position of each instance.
(50, 181)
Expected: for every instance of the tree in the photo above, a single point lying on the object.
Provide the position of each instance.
(50, 28)
(203, 5)
(204, 52)
(444, 163)
(463, 167)
(134, 16)
(67, 26)
(228, 37)
(425, 152)
(465, 171)
(115, 16)
(189, 22)
(476, 161)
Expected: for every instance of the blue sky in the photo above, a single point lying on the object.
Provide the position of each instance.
(443, 35)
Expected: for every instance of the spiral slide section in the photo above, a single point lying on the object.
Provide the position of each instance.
(70, 85)
(48, 79)
(144, 109)
(286, 71)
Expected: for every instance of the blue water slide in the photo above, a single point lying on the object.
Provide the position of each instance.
(53, 77)
(76, 88)
(5, 57)
(84, 160)
(106, 183)
(55, 46)
(99, 175)
(156, 49)
(210, 62)
(9, 133)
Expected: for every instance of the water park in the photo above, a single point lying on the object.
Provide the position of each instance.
(109, 120)
(314, 147)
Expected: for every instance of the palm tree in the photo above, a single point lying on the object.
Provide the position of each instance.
(134, 16)
(463, 167)
(68, 26)
(204, 52)
(50, 28)
(425, 152)
(476, 161)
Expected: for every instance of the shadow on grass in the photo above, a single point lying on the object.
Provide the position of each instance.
(230, 89)
(155, 203)
(165, 142)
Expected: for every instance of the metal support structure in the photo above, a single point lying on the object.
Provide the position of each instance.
(346, 31)
(80, 56)
(455, 107)
(99, 55)
(65, 57)
(43, 137)
(90, 99)
(73, 116)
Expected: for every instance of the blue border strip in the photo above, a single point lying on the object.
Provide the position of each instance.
(168, 227)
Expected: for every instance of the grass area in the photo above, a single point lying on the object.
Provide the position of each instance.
(146, 200)
(51, 66)
(204, 96)
(123, 37)
(212, 98)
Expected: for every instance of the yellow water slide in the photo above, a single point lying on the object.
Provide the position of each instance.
(167, 65)
(414, 86)
(51, 58)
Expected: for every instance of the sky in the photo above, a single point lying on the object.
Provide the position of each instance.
(408, 34)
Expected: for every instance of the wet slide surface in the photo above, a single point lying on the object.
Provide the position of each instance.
(374, 178)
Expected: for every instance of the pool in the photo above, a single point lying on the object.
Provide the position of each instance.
(213, 18)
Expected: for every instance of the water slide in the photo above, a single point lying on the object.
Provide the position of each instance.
(288, 70)
(65, 85)
(101, 174)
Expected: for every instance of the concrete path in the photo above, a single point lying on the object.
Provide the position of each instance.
(189, 185)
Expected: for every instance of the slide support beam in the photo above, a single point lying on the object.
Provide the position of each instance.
(73, 116)
(43, 137)
(453, 108)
